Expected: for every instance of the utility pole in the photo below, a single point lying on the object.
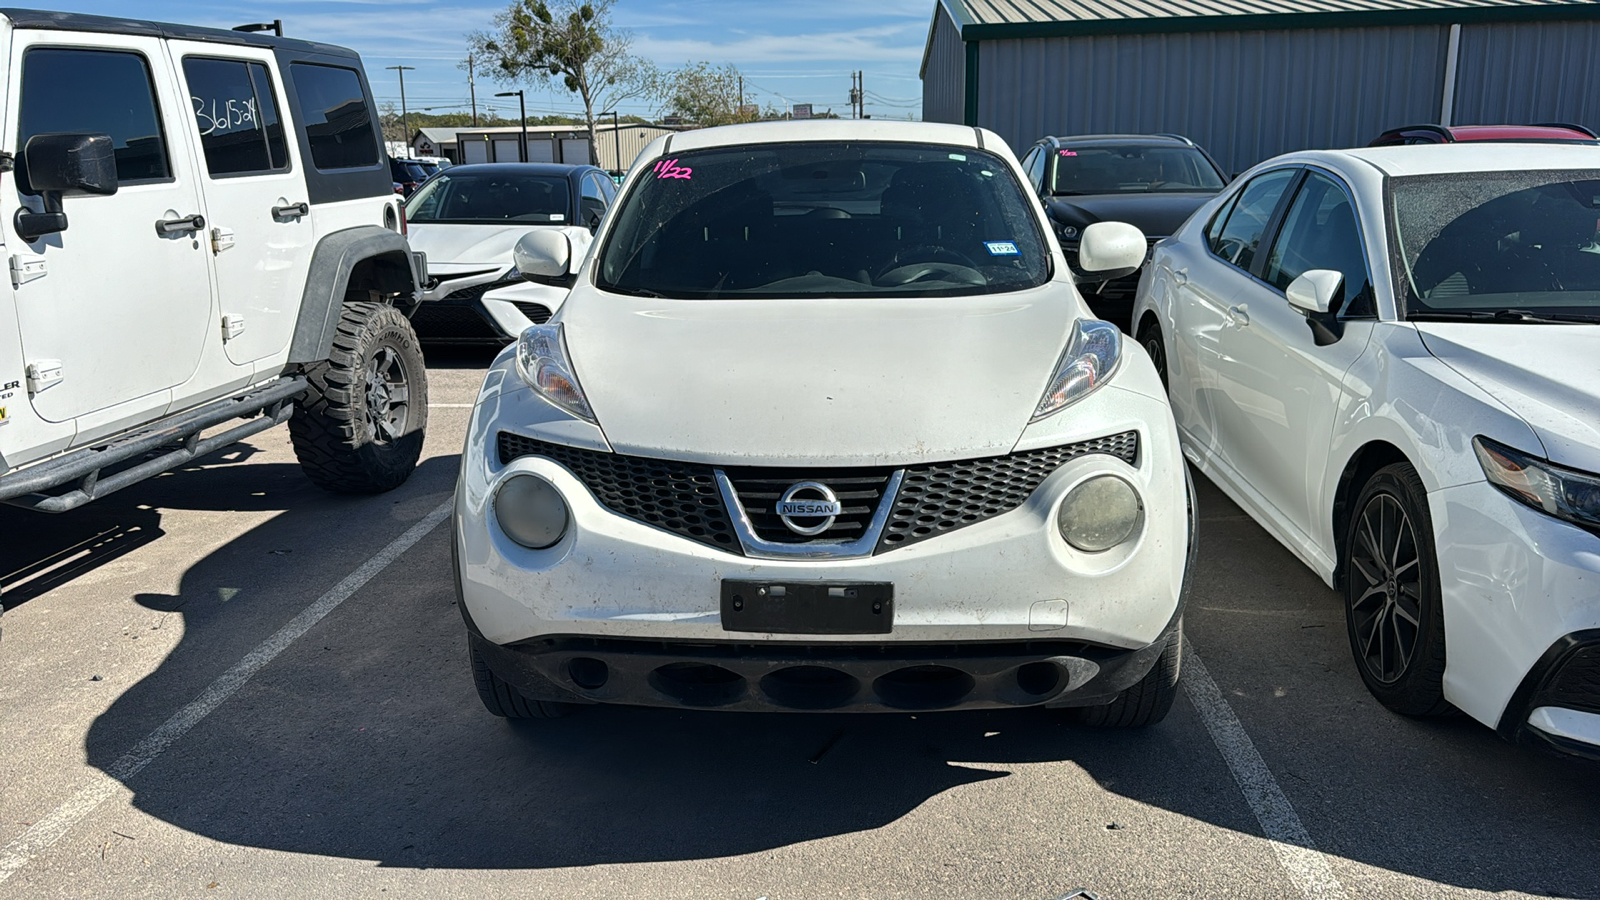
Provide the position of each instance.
(472, 88)
(861, 92)
(739, 113)
(405, 127)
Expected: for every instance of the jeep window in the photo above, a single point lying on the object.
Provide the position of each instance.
(1119, 169)
(825, 219)
(334, 113)
(457, 197)
(234, 109)
(94, 92)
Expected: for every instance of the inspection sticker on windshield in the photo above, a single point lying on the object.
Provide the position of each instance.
(1002, 248)
(1069, 153)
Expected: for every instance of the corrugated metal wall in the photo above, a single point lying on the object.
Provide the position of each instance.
(1244, 96)
(944, 84)
(1521, 73)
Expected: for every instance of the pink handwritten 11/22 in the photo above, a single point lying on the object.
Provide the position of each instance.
(669, 168)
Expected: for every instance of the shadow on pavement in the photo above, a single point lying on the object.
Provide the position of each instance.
(365, 740)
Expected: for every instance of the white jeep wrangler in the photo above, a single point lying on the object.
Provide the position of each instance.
(199, 227)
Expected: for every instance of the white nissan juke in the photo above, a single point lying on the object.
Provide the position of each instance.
(824, 425)
(1390, 358)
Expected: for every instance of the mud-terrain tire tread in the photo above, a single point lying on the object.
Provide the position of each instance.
(505, 701)
(328, 428)
(1419, 693)
(1149, 700)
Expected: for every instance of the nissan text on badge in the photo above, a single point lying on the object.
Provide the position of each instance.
(824, 424)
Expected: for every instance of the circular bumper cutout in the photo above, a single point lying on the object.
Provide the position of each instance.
(588, 673)
(1039, 678)
(698, 684)
(923, 687)
(810, 687)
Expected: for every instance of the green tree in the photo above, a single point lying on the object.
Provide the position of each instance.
(707, 95)
(570, 40)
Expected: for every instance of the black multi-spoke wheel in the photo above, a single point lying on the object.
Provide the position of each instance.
(1391, 586)
(359, 427)
(1150, 339)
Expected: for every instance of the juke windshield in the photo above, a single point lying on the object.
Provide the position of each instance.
(1506, 246)
(824, 219)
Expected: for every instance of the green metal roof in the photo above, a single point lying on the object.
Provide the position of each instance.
(999, 19)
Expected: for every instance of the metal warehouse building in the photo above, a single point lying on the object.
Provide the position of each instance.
(1249, 79)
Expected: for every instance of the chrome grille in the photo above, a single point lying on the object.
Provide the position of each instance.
(859, 490)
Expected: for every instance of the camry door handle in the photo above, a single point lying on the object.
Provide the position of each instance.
(1239, 314)
(1181, 276)
(291, 211)
(185, 225)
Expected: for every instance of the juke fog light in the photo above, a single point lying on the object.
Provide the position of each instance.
(1100, 514)
(531, 511)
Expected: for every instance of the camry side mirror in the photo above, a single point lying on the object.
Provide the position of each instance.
(1111, 250)
(543, 254)
(1314, 291)
(55, 165)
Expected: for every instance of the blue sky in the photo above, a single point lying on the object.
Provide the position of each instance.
(802, 50)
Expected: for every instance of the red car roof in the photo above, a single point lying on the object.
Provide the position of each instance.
(1517, 133)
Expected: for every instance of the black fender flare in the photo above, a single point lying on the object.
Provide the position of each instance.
(391, 268)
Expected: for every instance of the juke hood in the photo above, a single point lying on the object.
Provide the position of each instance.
(1156, 214)
(822, 382)
(1549, 375)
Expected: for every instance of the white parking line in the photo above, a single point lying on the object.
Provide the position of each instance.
(1306, 867)
(52, 827)
(450, 405)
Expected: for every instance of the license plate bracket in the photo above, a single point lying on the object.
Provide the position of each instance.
(808, 607)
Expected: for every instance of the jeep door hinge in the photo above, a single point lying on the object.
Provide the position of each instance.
(232, 327)
(221, 239)
(44, 373)
(26, 268)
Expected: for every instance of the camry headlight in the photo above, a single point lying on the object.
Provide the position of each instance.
(1564, 493)
(1091, 356)
(542, 363)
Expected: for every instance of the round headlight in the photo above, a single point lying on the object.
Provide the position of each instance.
(1100, 514)
(531, 511)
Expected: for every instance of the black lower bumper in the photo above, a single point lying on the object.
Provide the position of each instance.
(1566, 676)
(832, 677)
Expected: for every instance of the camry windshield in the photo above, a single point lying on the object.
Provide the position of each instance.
(1104, 169)
(470, 198)
(1508, 246)
(808, 219)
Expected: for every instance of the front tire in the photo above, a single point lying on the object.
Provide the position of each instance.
(361, 421)
(1150, 339)
(1148, 701)
(1391, 586)
(505, 701)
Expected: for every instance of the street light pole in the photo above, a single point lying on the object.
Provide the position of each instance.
(405, 126)
(616, 136)
(522, 148)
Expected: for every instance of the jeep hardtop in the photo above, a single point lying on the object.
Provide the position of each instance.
(199, 227)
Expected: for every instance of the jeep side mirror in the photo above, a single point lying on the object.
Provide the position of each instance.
(543, 254)
(56, 165)
(1314, 291)
(1111, 250)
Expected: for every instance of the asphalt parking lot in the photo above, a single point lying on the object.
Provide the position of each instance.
(224, 682)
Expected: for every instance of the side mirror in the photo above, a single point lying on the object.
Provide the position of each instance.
(55, 165)
(1111, 250)
(1314, 291)
(543, 254)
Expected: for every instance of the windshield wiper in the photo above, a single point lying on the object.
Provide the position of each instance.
(636, 292)
(1500, 315)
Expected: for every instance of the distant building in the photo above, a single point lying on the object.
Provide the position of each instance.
(1250, 80)
(546, 143)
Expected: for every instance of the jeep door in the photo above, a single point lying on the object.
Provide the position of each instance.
(253, 187)
(116, 309)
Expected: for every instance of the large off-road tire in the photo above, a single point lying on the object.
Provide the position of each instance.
(1391, 588)
(505, 701)
(360, 423)
(1148, 701)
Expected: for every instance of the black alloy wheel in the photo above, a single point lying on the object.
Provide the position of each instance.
(1150, 339)
(388, 395)
(1392, 600)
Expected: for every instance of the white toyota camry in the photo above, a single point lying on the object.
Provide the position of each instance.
(824, 424)
(1389, 358)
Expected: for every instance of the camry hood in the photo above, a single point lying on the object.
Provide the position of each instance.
(826, 382)
(1157, 214)
(475, 245)
(1549, 375)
